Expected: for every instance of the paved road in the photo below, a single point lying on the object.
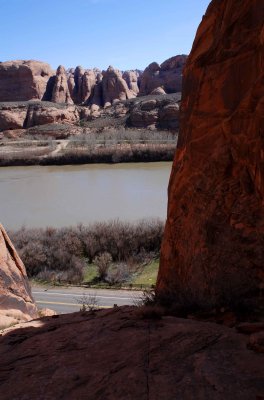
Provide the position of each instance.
(70, 299)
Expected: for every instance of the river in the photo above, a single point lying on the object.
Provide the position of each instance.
(67, 195)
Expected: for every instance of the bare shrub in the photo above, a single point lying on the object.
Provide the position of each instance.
(103, 262)
(118, 273)
(148, 298)
(88, 302)
(60, 255)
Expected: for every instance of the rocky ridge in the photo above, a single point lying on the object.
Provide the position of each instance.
(18, 119)
(27, 80)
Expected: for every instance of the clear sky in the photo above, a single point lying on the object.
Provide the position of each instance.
(127, 34)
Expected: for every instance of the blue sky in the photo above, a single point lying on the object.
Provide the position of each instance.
(127, 34)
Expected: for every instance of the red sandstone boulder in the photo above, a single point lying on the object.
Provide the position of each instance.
(160, 112)
(28, 114)
(24, 80)
(159, 90)
(16, 302)
(169, 116)
(61, 93)
(41, 114)
(213, 247)
(12, 117)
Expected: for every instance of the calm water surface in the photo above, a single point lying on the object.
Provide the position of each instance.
(67, 195)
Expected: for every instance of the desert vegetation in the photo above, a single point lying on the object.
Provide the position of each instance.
(109, 253)
(110, 146)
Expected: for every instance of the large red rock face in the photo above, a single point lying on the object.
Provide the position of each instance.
(24, 80)
(16, 303)
(214, 237)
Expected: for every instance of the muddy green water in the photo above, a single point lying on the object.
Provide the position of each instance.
(68, 195)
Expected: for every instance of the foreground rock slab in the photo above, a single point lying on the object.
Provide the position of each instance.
(16, 301)
(115, 354)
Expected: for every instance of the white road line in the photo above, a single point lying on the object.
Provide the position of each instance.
(67, 304)
(83, 294)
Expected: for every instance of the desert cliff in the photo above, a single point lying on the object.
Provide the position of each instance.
(27, 80)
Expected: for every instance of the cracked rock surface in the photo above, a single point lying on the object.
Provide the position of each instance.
(214, 236)
(115, 354)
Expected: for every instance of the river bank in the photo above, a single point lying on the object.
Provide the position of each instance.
(125, 153)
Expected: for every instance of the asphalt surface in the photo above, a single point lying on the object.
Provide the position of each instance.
(65, 300)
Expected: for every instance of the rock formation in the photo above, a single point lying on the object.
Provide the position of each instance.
(12, 116)
(71, 83)
(24, 80)
(16, 302)
(88, 83)
(114, 87)
(77, 91)
(61, 93)
(27, 80)
(41, 114)
(159, 112)
(157, 91)
(213, 247)
(131, 78)
(167, 76)
(23, 115)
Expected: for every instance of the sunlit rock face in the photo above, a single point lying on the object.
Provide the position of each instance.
(24, 80)
(16, 303)
(214, 236)
(166, 78)
(61, 92)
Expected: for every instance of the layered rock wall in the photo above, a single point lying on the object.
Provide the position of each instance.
(213, 248)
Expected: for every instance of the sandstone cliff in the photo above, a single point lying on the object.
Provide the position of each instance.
(27, 80)
(24, 80)
(213, 248)
(114, 87)
(16, 302)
